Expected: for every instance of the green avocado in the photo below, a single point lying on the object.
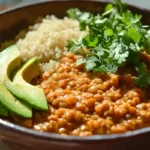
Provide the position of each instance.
(20, 87)
(9, 60)
(3, 110)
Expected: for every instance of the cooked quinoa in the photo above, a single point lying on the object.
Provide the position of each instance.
(47, 40)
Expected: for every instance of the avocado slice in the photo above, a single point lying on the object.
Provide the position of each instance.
(3, 110)
(20, 87)
(9, 60)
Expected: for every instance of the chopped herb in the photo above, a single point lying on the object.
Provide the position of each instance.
(75, 46)
(134, 34)
(116, 37)
(143, 78)
(109, 7)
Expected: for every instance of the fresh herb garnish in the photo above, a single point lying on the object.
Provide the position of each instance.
(115, 38)
(143, 78)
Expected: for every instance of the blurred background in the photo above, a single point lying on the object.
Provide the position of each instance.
(9, 3)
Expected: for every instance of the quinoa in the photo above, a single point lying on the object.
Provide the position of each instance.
(48, 39)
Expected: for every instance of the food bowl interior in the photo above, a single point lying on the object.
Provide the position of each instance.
(19, 18)
(16, 19)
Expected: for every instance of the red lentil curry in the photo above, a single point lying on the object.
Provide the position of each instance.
(83, 103)
(85, 96)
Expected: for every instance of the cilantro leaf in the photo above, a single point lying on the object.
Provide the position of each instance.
(143, 78)
(108, 32)
(74, 13)
(119, 52)
(107, 68)
(80, 61)
(147, 42)
(134, 34)
(91, 41)
(133, 58)
(108, 7)
(74, 46)
(90, 63)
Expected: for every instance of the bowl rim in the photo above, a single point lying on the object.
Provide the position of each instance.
(53, 136)
(20, 6)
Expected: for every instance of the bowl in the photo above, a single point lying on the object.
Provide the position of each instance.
(19, 18)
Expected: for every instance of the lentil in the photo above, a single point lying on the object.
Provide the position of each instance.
(84, 104)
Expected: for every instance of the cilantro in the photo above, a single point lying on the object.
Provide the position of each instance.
(133, 58)
(91, 63)
(90, 41)
(143, 78)
(147, 43)
(74, 13)
(106, 68)
(75, 46)
(108, 32)
(80, 61)
(134, 34)
(119, 52)
(109, 7)
(116, 37)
